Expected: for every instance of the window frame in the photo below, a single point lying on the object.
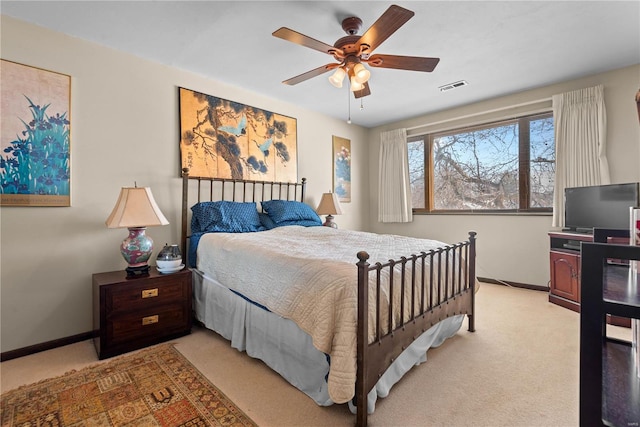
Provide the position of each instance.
(524, 165)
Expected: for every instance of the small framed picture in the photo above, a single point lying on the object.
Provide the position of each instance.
(342, 168)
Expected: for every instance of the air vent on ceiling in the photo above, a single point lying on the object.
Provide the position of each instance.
(453, 85)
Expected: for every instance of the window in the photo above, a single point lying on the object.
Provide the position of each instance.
(504, 166)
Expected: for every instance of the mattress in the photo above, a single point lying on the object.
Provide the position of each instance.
(308, 275)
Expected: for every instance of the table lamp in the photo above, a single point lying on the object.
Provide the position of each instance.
(329, 206)
(136, 210)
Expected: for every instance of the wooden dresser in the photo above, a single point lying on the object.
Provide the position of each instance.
(129, 314)
(565, 265)
(564, 257)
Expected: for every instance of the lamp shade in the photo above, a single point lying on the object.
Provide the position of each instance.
(136, 207)
(360, 73)
(355, 86)
(337, 77)
(329, 205)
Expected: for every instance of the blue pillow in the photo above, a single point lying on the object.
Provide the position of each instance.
(225, 217)
(266, 221)
(282, 212)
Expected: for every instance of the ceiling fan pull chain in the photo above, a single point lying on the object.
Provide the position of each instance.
(349, 106)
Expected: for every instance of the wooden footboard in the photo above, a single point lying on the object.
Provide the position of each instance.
(447, 288)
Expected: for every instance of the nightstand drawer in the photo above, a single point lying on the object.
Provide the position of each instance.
(147, 324)
(149, 294)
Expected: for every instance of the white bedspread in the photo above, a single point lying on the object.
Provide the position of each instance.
(306, 274)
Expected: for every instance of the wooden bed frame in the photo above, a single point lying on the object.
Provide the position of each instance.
(455, 285)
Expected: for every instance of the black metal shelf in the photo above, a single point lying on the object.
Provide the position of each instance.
(609, 386)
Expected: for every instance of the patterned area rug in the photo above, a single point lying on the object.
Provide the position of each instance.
(154, 387)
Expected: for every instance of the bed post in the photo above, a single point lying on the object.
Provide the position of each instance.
(363, 339)
(472, 279)
(185, 201)
(303, 190)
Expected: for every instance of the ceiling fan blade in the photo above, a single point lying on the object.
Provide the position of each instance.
(392, 19)
(298, 38)
(363, 92)
(310, 74)
(412, 63)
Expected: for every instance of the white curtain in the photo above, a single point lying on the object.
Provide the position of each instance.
(394, 194)
(580, 123)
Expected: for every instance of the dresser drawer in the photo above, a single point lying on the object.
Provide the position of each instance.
(147, 324)
(138, 296)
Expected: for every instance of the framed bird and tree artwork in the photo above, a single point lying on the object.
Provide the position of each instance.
(35, 155)
(226, 139)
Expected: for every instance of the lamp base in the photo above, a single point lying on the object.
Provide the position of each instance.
(329, 222)
(134, 272)
(136, 249)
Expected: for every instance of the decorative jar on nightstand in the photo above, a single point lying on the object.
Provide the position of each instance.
(169, 259)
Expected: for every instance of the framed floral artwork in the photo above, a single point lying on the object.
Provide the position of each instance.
(225, 139)
(342, 168)
(35, 163)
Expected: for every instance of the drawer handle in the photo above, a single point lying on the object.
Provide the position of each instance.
(149, 293)
(149, 320)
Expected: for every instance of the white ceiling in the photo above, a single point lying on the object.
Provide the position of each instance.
(498, 47)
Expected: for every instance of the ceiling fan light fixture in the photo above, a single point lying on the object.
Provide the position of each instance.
(337, 77)
(361, 74)
(355, 85)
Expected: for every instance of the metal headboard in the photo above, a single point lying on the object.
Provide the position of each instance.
(237, 190)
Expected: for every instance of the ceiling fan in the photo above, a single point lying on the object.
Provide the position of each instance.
(352, 51)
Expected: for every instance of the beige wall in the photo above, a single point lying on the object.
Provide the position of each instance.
(124, 129)
(516, 247)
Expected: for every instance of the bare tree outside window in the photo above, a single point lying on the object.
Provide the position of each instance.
(416, 173)
(542, 163)
(506, 166)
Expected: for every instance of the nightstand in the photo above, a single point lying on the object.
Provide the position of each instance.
(129, 314)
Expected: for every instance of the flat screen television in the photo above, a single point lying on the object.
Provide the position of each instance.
(602, 206)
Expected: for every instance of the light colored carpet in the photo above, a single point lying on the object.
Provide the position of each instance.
(520, 368)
